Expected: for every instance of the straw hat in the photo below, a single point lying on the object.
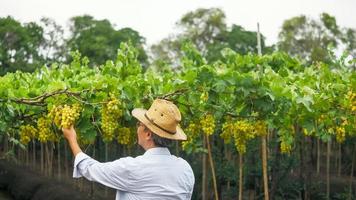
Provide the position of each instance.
(162, 118)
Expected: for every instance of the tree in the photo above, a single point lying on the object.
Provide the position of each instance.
(19, 44)
(53, 47)
(309, 38)
(349, 39)
(207, 30)
(99, 41)
(237, 39)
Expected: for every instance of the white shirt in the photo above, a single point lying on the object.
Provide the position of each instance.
(154, 175)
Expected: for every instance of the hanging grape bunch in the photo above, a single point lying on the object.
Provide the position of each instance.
(243, 132)
(192, 132)
(110, 114)
(124, 136)
(340, 131)
(44, 130)
(286, 139)
(27, 132)
(285, 147)
(208, 124)
(351, 98)
(227, 131)
(260, 128)
(65, 116)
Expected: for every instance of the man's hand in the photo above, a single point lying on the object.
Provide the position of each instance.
(71, 136)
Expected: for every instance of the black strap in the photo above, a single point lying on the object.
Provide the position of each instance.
(158, 126)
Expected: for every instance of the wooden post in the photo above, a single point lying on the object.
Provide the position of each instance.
(59, 159)
(259, 46)
(339, 160)
(264, 167)
(264, 138)
(33, 154)
(42, 160)
(204, 184)
(240, 176)
(212, 168)
(106, 160)
(328, 169)
(352, 172)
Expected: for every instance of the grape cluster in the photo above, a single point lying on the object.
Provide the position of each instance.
(260, 128)
(285, 147)
(110, 114)
(227, 131)
(124, 136)
(208, 124)
(27, 132)
(65, 116)
(44, 130)
(341, 131)
(351, 97)
(70, 114)
(243, 132)
(192, 131)
(340, 134)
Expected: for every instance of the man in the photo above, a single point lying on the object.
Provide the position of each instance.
(154, 175)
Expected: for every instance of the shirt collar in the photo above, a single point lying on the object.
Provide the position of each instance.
(157, 151)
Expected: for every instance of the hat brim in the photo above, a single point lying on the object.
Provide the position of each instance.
(139, 114)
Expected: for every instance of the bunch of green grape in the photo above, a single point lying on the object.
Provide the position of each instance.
(44, 130)
(286, 139)
(260, 128)
(124, 136)
(351, 98)
(227, 131)
(192, 131)
(65, 116)
(110, 114)
(207, 123)
(27, 132)
(285, 147)
(70, 114)
(243, 132)
(341, 131)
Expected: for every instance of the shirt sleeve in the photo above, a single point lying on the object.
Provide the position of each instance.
(112, 174)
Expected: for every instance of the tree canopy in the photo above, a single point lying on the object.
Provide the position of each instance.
(19, 45)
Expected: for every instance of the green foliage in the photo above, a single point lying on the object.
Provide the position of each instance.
(271, 92)
(310, 39)
(19, 45)
(99, 41)
(207, 31)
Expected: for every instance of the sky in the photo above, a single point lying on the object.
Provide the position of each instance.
(155, 19)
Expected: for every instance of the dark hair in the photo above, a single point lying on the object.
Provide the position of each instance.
(160, 141)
